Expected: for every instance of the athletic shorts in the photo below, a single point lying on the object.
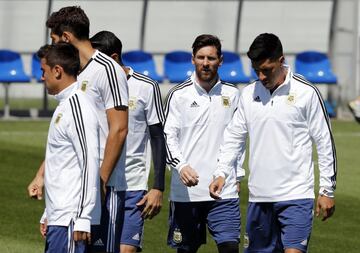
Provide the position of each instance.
(188, 221)
(59, 239)
(275, 226)
(121, 222)
(106, 236)
(133, 226)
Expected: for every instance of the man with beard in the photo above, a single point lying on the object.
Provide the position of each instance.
(197, 112)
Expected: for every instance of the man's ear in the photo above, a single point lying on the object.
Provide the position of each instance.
(282, 59)
(58, 71)
(115, 56)
(221, 60)
(66, 37)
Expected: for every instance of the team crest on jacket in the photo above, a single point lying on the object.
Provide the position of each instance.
(246, 241)
(58, 117)
(225, 101)
(291, 99)
(132, 103)
(177, 236)
(84, 85)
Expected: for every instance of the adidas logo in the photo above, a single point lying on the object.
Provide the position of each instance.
(98, 243)
(136, 237)
(304, 243)
(257, 99)
(194, 104)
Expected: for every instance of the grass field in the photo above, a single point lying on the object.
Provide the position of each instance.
(22, 146)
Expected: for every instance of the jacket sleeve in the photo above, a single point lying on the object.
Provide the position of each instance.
(84, 128)
(240, 171)
(320, 132)
(172, 125)
(232, 149)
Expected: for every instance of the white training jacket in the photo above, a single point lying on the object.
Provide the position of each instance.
(194, 127)
(282, 128)
(104, 81)
(72, 162)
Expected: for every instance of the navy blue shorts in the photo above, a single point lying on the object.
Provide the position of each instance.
(188, 221)
(121, 222)
(59, 239)
(106, 236)
(275, 226)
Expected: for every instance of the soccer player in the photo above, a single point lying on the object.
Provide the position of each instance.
(283, 114)
(197, 112)
(72, 157)
(145, 123)
(105, 84)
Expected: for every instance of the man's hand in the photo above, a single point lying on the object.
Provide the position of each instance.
(35, 188)
(153, 202)
(188, 176)
(238, 187)
(82, 236)
(102, 192)
(216, 187)
(325, 206)
(43, 227)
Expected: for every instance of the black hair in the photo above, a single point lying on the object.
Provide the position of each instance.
(72, 19)
(265, 46)
(206, 40)
(108, 43)
(62, 54)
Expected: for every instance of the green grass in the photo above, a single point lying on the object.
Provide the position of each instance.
(22, 145)
(26, 103)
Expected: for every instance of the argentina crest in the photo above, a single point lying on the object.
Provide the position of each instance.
(132, 103)
(177, 236)
(84, 85)
(226, 101)
(58, 117)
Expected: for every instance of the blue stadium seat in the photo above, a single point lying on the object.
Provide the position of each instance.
(11, 67)
(232, 69)
(141, 62)
(315, 67)
(36, 68)
(11, 71)
(178, 66)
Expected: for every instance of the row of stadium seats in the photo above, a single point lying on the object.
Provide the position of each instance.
(314, 66)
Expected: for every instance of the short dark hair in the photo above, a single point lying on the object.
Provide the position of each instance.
(206, 40)
(265, 46)
(108, 43)
(62, 54)
(72, 19)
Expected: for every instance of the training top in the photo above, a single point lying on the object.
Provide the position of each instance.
(72, 162)
(104, 81)
(282, 127)
(194, 127)
(145, 109)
